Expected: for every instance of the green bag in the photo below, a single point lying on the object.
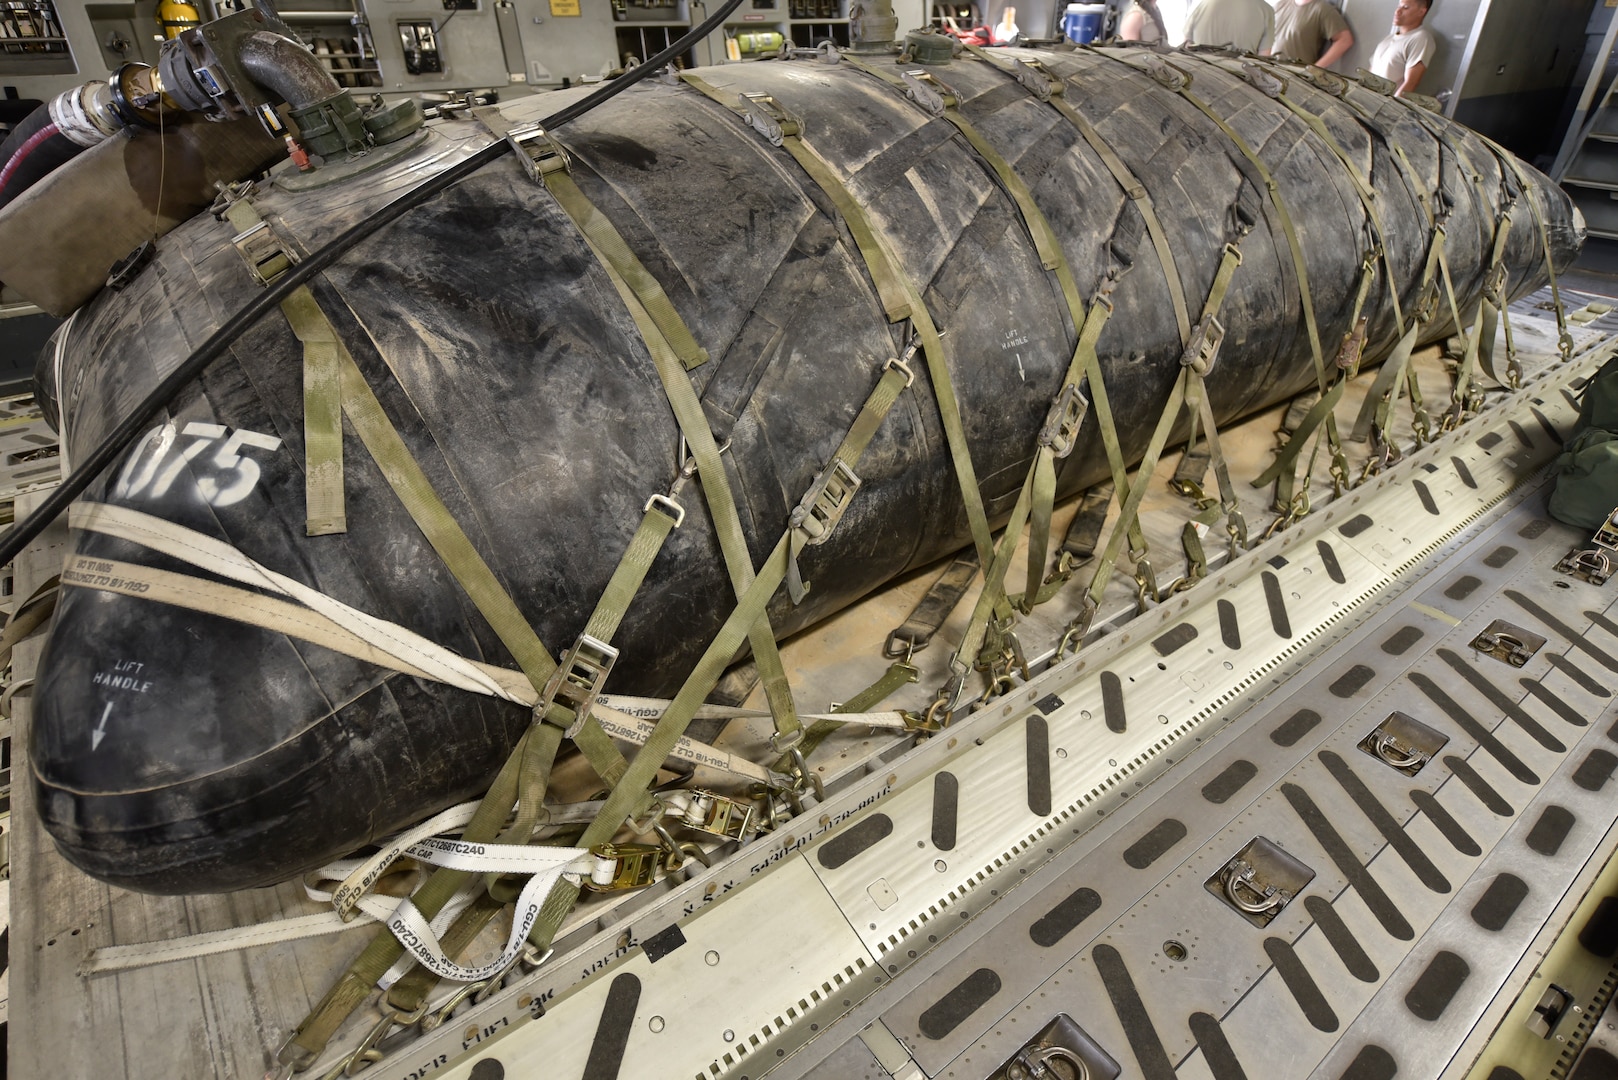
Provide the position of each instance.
(1598, 403)
(1587, 474)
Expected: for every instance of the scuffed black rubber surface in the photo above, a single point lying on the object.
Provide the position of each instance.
(232, 757)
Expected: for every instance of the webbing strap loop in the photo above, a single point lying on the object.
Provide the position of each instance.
(324, 512)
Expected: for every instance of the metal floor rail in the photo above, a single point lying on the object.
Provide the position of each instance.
(1022, 881)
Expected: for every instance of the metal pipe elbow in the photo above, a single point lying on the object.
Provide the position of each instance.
(286, 68)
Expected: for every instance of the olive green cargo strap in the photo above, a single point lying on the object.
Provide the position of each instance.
(324, 512)
(548, 163)
(572, 688)
(1463, 370)
(667, 338)
(1506, 157)
(324, 507)
(416, 493)
(1492, 309)
(625, 797)
(354, 398)
(716, 489)
(1406, 342)
(899, 673)
(1179, 81)
(1377, 409)
(576, 682)
(445, 535)
(1274, 87)
(1349, 353)
(903, 642)
(1037, 498)
(1050, 87)
(528, 768)
(898, 294)
(522, 781)
(1190, 391)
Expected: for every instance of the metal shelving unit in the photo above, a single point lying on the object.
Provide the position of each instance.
(31, 39)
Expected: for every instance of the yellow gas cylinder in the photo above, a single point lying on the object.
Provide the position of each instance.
(176, 17)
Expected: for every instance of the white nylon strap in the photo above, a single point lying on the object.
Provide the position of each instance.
(144, 954)
(421, 942)
(357, 881)
(633, 729)
(217, 557)
(652, 708)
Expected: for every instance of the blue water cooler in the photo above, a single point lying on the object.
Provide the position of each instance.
(1083, 23)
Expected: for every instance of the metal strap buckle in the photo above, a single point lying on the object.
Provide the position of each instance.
(1265, 82)
(1607, 535)
(925, 90)
(1203, 352)
(716, 815)
(578, 678)
(620, 867)
(1063, 421)
(1037, 79)
(765, 116)
(538, 151)
(899, 365)
(1426, 309)
(823, 505)
(670, 507)
(266, 257)
(1494, 285)
(1352, 350)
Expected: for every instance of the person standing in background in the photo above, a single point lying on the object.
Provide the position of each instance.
(1143, 22)
(1005, 31)
(1310, 32)
(1248, 25)
(1403, 55)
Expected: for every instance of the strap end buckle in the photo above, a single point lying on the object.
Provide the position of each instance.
(578, 679)
(766, 116)
(823, 505)
(538, 151)
(1063, 421)
(668, 507)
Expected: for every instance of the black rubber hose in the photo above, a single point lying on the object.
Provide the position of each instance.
(20, 534)
(33, 150)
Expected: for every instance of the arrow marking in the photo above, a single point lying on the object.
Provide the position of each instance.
(101, 729)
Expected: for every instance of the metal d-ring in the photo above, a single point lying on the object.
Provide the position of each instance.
(1388, 749)
(1235, 879)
